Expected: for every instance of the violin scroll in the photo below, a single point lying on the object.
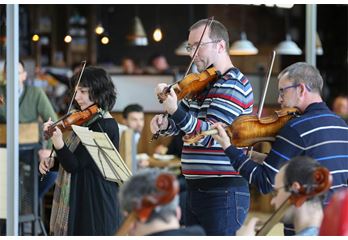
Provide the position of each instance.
(322, 180)
(167, 186)
(322, 183)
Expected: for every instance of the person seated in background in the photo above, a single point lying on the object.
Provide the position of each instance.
(292, 176)
(129, 66)
(34, 106)
(173, 148)
(164, 218)
(133, 118)
(340, 106)
(159, 65)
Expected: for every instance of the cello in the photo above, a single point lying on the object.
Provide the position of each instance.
(167, 186)
(322, 183)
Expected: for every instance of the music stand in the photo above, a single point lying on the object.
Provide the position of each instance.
(104, 154)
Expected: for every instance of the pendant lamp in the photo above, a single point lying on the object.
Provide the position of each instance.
(288, 47)
(137, 36)
(318, 46)
(243, 46)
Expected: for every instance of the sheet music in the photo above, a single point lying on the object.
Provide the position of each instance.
(3, 182)
(104, 154)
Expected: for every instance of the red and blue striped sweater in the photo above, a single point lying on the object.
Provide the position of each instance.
(224, 100)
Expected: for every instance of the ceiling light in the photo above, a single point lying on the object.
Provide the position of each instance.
(243, 47)
(99, 29)
(318, 46)
(137, 37)
(157, 34)
(67, 39)
(35, 38)
(288, 47)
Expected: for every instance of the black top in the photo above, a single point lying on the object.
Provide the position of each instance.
(94, 208)
(188, 231)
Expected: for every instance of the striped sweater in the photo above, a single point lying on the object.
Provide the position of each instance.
(224, 100)
(317, 133)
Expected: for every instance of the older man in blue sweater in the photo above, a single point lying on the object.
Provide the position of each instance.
(317, 132)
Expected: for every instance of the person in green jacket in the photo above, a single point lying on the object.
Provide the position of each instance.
(34, 106)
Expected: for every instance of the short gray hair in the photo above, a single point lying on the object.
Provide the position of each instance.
(217, 31)
(143, 184)
(302, 72)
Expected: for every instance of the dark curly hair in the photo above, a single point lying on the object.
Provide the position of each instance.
(101, 88)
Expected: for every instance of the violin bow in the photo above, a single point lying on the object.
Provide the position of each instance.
(209, 22)
(266, 85)
(83, 63)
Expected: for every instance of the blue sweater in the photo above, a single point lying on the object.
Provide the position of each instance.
(223, 101)
(317, 133)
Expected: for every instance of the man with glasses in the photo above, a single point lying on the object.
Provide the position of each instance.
(296, 174)
(317, 132)
(217, 196)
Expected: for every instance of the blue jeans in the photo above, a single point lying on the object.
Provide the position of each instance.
(47, 182)
(221, 211)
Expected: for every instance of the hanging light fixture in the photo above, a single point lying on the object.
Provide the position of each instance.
(99, 29)
(35, 38)
(137, 36)
(67, 39)
(157, 34)
(288, 47)
(318, 46)
(105, 40)
(243, 46)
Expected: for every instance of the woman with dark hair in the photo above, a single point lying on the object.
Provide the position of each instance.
(84, 203)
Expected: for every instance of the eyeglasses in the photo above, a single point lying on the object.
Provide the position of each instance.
(282, 90)
(275, 191)
(192, 48)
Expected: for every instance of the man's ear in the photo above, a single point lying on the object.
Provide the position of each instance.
(302, 88)
(221, 46)
(25, 75)
(295, 187)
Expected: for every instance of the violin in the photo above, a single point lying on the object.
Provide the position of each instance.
(73, 118)
(191, 85)
(322, 183)
(167, 186)
(247, 130)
